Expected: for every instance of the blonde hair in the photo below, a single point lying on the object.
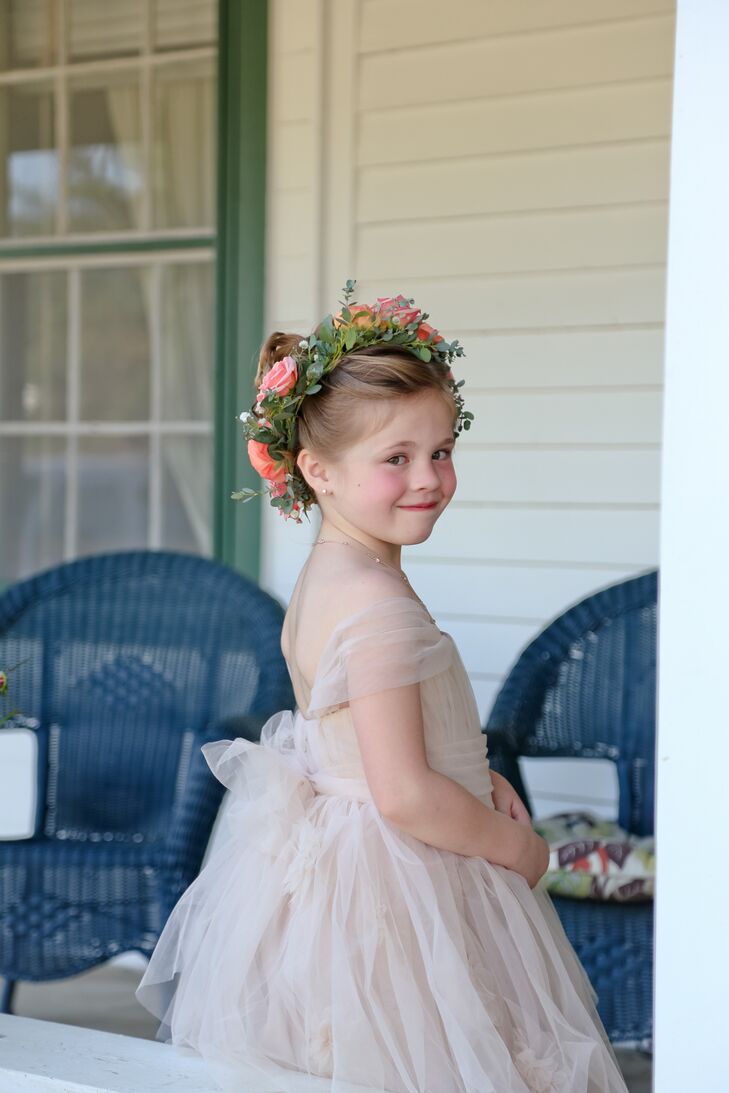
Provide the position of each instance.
(328, 421)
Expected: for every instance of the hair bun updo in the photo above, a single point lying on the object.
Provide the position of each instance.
(276, 346)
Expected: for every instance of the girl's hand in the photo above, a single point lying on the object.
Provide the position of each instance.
(535, 860)
(508, 801)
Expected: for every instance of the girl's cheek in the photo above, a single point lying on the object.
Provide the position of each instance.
(387, 483)
(448, 479)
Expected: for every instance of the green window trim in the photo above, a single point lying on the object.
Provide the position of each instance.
(240, 267)
(70, 249)
(240, 270)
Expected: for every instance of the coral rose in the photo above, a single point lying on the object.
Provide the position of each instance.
(279, 379)
(262, 462)
(359, 319)
(425, 330)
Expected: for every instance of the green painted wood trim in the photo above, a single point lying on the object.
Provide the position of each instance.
(240, 270)
(63, 249)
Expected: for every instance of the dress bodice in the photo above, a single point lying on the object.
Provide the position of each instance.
(390, 643)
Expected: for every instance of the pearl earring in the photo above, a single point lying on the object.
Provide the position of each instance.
(324, 490)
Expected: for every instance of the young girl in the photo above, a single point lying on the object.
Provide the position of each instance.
(370, 917)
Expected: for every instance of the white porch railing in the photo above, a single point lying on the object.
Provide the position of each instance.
(46, 1057)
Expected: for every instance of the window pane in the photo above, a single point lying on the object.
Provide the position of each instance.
(32, 503)
(113, 478)
(115, 345)
(102, 29)
(180, 23)
(184, 145)
(187, 342)
(105, 170)
(31, 164)
(186, 487)
(33, 346)
(26, 34)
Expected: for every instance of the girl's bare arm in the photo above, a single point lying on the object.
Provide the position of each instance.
(427, 804)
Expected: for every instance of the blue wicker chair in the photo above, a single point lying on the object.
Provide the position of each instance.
(134, 659)
(586, 686)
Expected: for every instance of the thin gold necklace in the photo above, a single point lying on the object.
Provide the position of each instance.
(392, 567)
(371, 554)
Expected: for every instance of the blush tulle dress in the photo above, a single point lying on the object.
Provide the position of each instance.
(322, 949)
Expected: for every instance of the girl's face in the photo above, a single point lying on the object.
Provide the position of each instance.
(394, 483)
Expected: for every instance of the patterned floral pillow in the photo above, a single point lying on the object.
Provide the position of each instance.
(595, 859)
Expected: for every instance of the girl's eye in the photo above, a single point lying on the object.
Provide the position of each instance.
(446, 452)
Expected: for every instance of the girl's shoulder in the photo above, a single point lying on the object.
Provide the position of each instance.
(344, 598)
(390, 641)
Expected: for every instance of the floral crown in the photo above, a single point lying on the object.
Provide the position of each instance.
(270, 424)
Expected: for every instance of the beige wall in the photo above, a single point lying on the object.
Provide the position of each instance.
(507, 164)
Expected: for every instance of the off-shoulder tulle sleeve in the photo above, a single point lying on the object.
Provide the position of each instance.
(391, 643)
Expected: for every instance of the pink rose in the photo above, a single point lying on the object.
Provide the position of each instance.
(389, 304)
(262, 462)
(280, 379)
(425, 330)
(398, 307)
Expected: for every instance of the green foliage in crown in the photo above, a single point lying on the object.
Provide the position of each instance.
(270, 424)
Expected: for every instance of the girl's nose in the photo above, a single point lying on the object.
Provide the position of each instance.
(424, 475)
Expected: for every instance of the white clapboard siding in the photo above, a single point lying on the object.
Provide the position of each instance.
(584, 239)
(571, 536)
(574, 117)
(518, 182)
(561, 477)
(552, 360)
(387, 25)
(508, 166)
(511, 64)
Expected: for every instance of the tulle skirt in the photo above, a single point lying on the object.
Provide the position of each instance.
(321, 948)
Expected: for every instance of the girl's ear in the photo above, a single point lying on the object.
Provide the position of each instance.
(314, 472)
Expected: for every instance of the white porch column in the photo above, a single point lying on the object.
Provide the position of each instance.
(692, 815)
